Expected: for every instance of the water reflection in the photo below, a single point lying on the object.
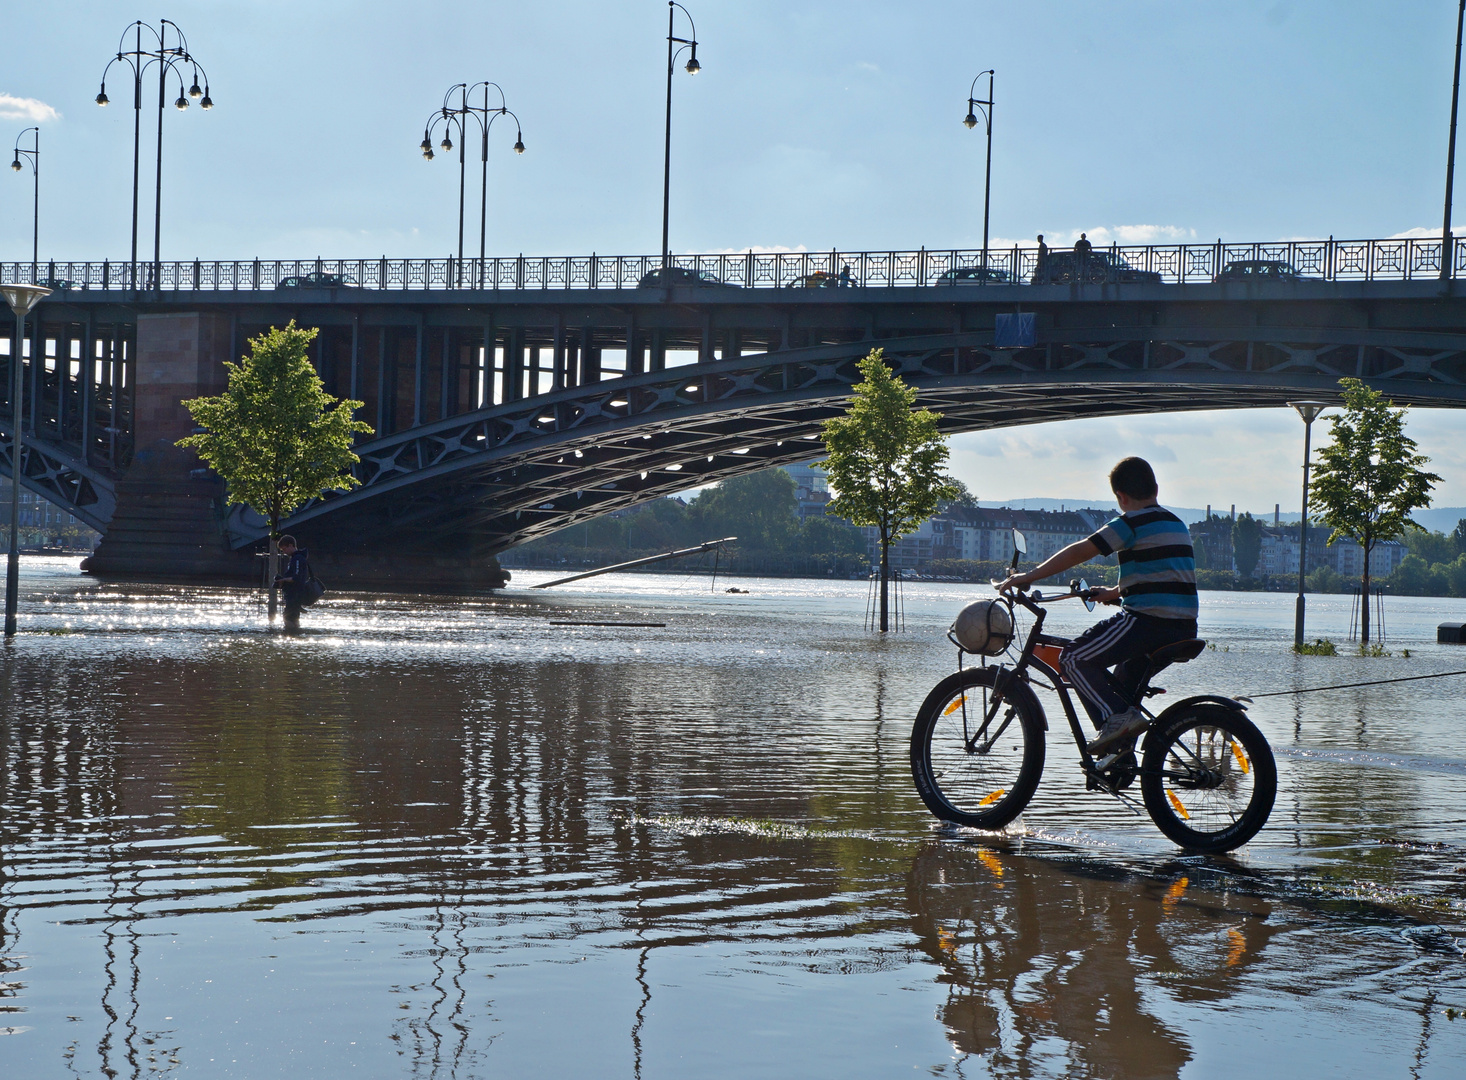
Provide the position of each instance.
(417, 840)
(1051, 969)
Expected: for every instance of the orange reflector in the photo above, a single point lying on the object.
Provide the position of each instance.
(1236, 946)
(950, 709)
(1241, 759)
(994, 797)
(1177, 804)
(1174, 893)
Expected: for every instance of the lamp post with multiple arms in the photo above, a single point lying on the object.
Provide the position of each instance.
(451, 116)
(693, 67)
(1309, 411)
(21, 299)
(974, 104)
(34, 154)
(171, 59)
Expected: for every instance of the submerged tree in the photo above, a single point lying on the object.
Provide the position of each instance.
(886, 461)
(1369, 479)
(275, 435)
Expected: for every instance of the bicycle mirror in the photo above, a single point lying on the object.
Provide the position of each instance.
(1083, 591)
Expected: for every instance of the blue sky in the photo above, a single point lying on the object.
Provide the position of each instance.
(811, 125)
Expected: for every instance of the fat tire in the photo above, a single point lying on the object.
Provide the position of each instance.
(1029, 718)
(1264, 780)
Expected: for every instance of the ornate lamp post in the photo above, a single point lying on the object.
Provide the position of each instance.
(171, 59)
(693, 67)
(973, 104)
(1309, 411)
(34, 154)
(451, 116)
(21, 299)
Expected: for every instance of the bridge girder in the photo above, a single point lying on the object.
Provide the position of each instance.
(520, 470)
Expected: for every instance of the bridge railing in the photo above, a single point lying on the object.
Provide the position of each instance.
(1403, 259)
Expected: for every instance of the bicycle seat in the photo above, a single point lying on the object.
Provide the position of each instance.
(1178, 652)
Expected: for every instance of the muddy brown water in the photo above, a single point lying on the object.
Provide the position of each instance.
(442, 837)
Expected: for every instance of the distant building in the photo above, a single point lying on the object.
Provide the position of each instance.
(811, 489)
(986, 534)
(43, 524)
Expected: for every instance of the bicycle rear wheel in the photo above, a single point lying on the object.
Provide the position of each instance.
(1208, 778)
(970, 774)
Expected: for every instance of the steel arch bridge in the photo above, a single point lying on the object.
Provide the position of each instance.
(549, 434)
(516, 471)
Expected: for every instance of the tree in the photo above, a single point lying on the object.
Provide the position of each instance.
(1369, 478)
(885, 461)
(963, 500)
(1459, 535)
(1246, 544)
(759, 508)
(275, 435)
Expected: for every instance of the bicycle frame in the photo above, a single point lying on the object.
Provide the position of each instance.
(1030, 661)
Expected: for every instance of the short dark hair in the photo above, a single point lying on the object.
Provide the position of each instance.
(288, 539)
(1134, 477)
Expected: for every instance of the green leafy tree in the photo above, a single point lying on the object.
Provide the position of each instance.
(275, 435)
(759, 508)
(963, 500)
(1369, 478)
(1459, 535)
(886, 461)
(1246, 544)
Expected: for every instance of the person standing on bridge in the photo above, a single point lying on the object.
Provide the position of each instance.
(1041, 263)
(292, 580)
(1156, 594)
(1082, 248)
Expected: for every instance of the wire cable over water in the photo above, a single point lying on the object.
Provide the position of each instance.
(1348, 686)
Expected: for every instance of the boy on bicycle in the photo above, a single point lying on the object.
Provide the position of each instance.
(1156, 594)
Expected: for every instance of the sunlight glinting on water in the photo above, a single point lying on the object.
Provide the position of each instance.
(397, 840)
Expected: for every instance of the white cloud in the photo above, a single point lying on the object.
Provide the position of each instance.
(755, 249)
(1423, 232)
(21, 108)
(1102, 235)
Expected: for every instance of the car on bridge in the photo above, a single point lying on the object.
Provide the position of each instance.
(1261, 270)
(1095, 267)
(821, 279)
(975, 275)
(318, 280)
(666, 277)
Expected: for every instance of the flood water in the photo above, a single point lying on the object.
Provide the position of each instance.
(443, 837)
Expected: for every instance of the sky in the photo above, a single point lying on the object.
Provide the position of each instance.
(811, 125)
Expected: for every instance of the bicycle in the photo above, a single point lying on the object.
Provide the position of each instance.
(1207, 774)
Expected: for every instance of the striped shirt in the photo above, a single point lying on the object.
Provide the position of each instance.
(1157, 564)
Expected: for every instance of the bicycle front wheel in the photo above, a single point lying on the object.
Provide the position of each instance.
(975, 773)
(1208, 778)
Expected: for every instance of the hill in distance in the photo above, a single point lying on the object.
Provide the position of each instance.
(1436, 519)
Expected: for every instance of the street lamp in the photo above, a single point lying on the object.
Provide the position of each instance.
(21, 299)
(1446, 257)
(1309, 411)
(693, 67)
(485, 115)
(34, 154)
(170, 59)
(974, 104)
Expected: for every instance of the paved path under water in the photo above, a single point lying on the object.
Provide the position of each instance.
(441, 837)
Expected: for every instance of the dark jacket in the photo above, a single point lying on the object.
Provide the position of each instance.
(297, 571)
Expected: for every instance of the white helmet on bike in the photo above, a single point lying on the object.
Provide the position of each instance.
(984, 626)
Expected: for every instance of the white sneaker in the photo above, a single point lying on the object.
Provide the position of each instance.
(1122, 725)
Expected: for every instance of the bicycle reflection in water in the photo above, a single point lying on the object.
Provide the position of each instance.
(1052, 970)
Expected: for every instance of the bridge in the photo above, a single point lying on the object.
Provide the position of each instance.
(513, 397)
